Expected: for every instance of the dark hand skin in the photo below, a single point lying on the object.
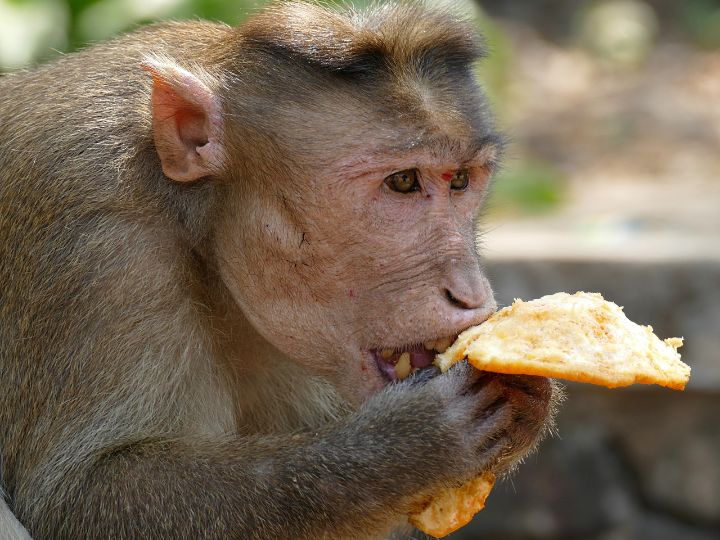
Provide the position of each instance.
(200, 256)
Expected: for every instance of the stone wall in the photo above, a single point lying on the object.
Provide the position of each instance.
(641, 463)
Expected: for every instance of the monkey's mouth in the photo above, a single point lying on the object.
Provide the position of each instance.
(398, 363)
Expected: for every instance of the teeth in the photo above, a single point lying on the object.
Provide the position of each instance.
(403, 367)
(386, 353)
(442, 344)
(429, 345)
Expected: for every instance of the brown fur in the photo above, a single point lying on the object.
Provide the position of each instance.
(183, 360)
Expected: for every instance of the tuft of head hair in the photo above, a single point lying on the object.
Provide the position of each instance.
(388, 37)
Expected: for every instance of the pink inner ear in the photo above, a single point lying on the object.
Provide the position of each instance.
(190, 120)
(187, 125)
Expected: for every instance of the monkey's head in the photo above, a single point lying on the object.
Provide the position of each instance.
(353, 170)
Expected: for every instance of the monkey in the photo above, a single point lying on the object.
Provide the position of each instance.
(214, 243)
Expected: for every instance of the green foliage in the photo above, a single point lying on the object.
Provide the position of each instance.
(492, 71)
(95, 20)
(701, 19)
(529, 187)
(36, 30)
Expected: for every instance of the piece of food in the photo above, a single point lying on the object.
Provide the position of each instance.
(453, 508)
(579, 337)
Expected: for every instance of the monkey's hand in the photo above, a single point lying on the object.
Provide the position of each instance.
(373, 468)
(427, 433)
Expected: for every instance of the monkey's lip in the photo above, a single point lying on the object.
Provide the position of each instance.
(393, 364)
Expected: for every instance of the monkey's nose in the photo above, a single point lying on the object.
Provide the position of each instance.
(468, 290)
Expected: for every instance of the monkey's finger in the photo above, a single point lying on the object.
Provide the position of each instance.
(422, 376)
(463, 375)
(492, 453)
(487, 394)
(539, 387)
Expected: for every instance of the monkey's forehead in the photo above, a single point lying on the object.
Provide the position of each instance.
(338, 126)
(398, 76)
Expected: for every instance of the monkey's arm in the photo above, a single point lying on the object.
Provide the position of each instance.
(357, 477)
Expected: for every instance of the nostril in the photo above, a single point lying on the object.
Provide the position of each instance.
(456, 301)
(467, 289)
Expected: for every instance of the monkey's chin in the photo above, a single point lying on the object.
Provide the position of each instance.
(359, 381)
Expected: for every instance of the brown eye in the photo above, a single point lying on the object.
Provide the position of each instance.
(460, 180)
(403, 181)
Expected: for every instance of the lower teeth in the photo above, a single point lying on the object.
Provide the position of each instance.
(403, 367)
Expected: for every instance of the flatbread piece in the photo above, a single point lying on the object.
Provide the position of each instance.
(454, 508)
(579, 337)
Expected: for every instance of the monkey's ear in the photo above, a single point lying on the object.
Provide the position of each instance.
(186, 122)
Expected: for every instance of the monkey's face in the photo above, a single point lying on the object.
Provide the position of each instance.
(349, 235)
(361, 270)
(413, 276)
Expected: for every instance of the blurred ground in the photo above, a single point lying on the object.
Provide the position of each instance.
(635, 148)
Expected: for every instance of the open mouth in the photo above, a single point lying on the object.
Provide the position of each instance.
(399, 363)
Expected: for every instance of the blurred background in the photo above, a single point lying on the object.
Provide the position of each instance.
(611, 184)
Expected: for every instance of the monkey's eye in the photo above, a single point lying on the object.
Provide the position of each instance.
(404, 181)
(460, 180)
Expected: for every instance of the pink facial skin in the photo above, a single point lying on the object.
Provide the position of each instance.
(404, 272)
